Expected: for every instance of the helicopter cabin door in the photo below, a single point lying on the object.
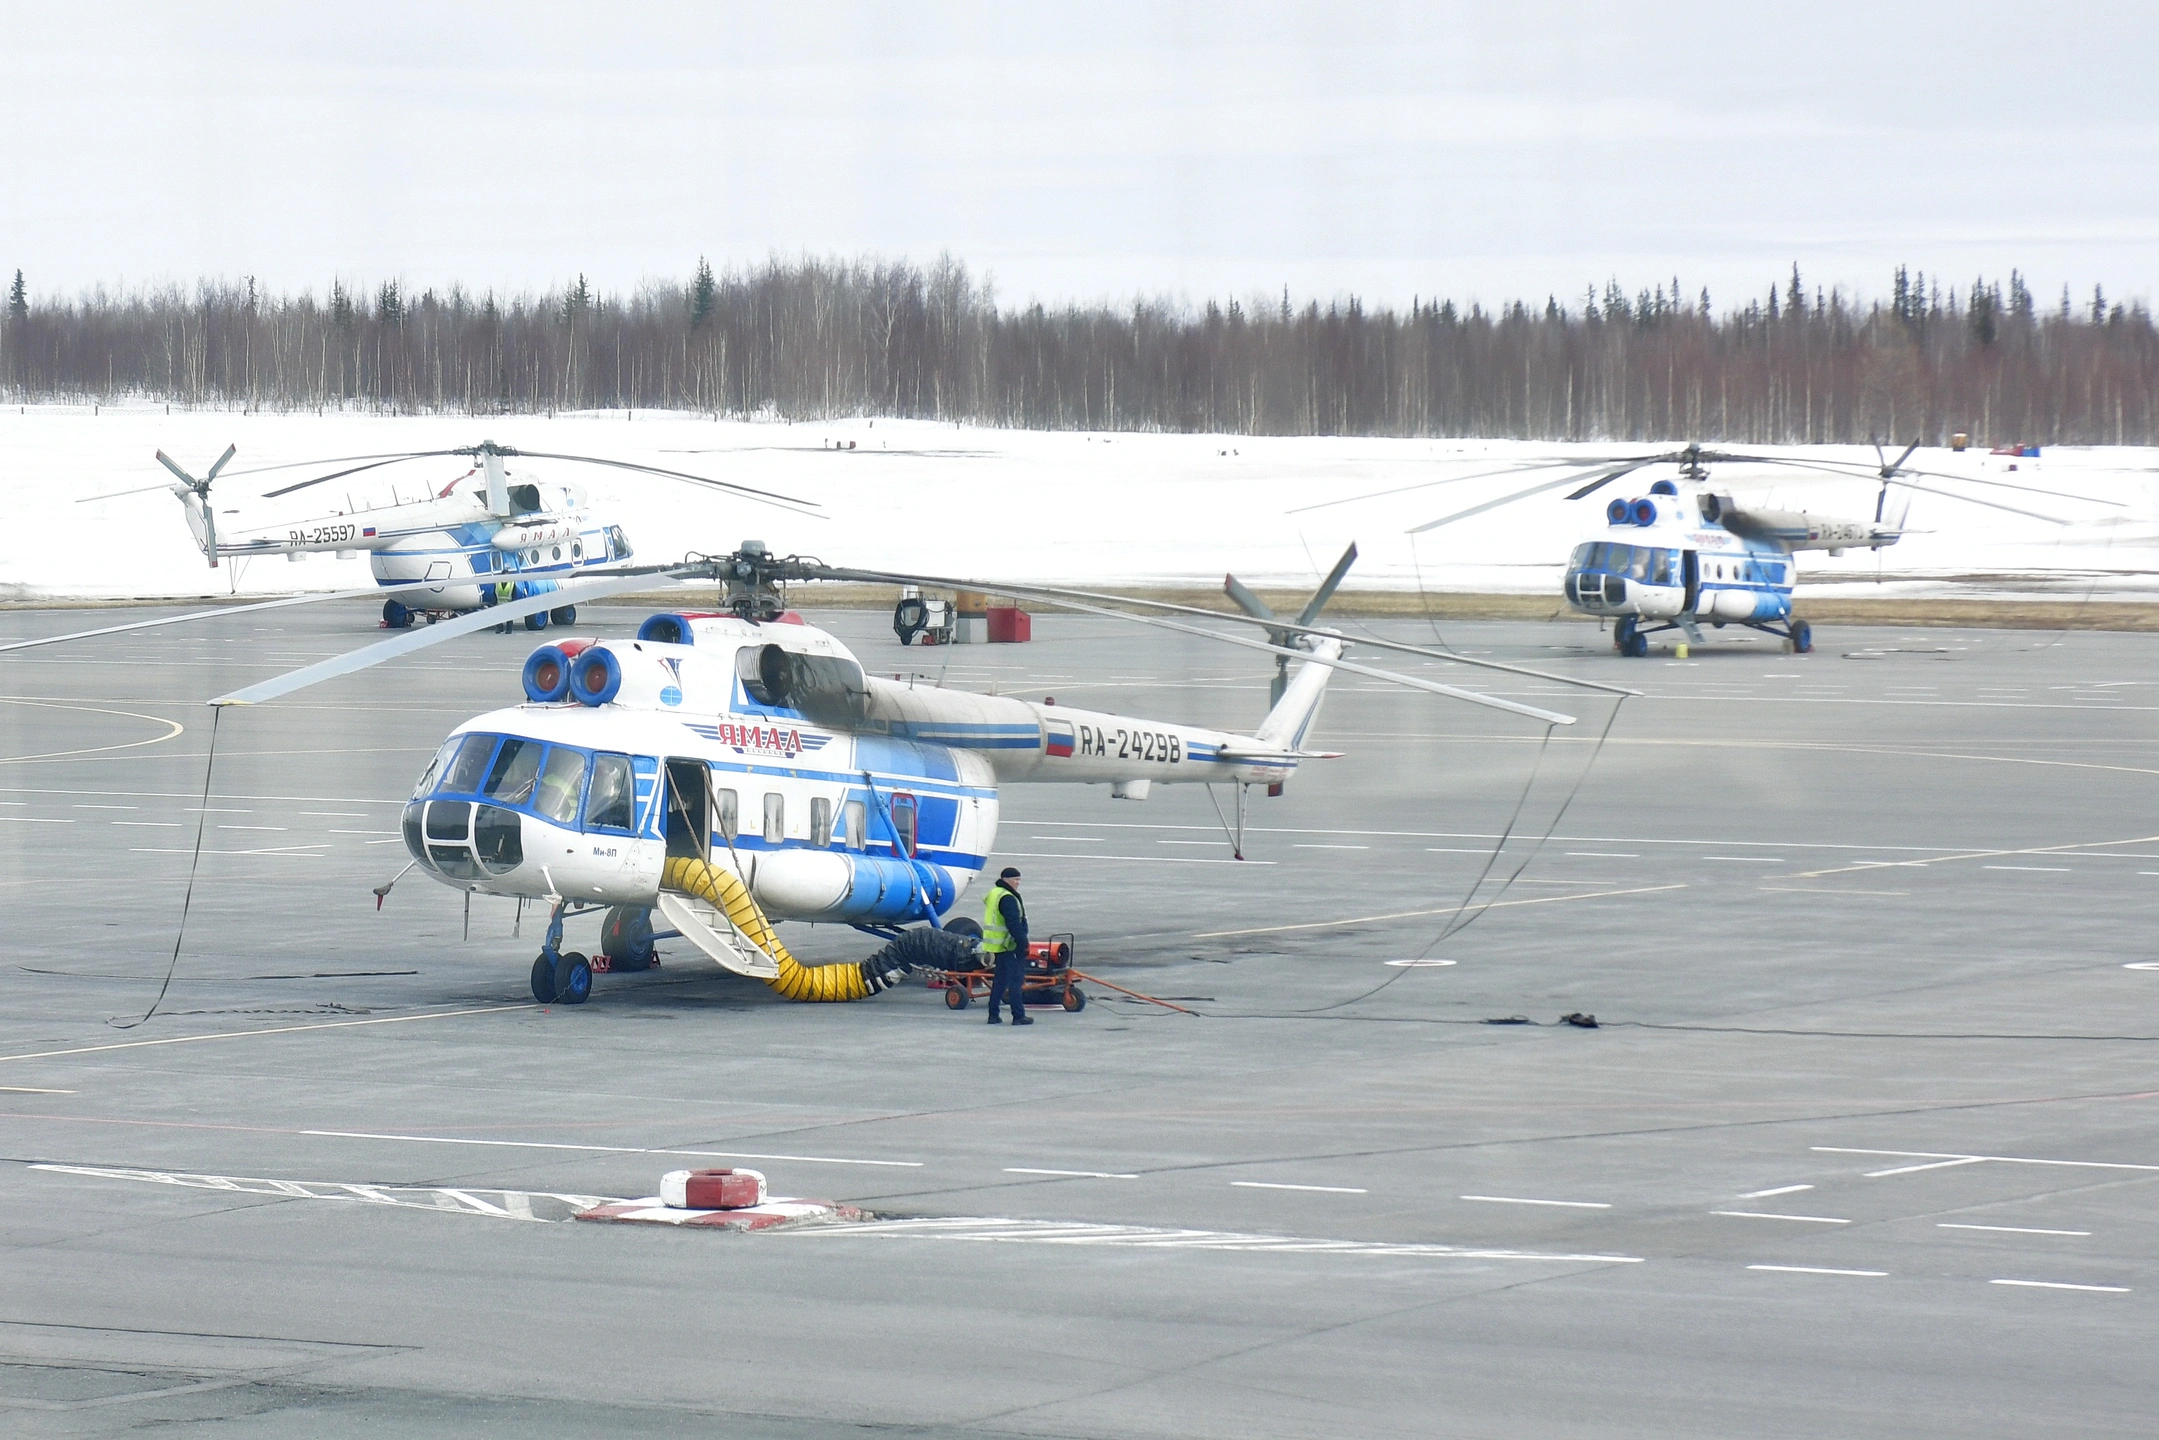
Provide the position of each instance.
(689, 790)
(1690, 574)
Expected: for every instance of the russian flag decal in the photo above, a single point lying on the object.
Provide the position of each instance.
(1060, 739)
(370, 530)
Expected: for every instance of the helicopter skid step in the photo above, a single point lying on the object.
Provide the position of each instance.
(705, 927)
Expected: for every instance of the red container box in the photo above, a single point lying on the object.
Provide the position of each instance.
(1010, 625)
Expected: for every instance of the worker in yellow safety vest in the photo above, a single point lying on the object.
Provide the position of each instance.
(1004, 937)
(505, 592)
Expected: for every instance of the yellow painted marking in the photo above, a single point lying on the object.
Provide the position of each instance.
(1421, 914)
(279, 1030)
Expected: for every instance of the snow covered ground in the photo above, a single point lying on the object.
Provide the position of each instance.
(1014, 505)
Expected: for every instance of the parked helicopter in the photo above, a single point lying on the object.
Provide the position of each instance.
(1686, 553)
(736, 767)
(484, 528)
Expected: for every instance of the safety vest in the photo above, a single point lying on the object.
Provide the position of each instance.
(505, 592)
(995, 938)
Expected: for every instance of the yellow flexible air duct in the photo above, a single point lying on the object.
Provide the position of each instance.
(725, 892)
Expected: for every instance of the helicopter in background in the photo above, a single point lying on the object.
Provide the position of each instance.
(1687, 553)
(451, 552)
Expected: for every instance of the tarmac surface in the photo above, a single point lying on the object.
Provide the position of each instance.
(1866, 1142)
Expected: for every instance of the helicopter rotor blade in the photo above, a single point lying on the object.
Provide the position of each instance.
(786, 502)
(408, 641)
(341, 460)
(1540, 488)
(356, 469)
(1860, 469)
(1890, 470)
(222, 461)
(1326, 589)
(163, 485)
(282, 602)
(1514, 469)
(1059, 595)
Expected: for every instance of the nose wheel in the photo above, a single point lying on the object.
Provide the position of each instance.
(560, 977)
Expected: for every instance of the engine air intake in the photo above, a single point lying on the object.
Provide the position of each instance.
(547, 675)
(596, 677)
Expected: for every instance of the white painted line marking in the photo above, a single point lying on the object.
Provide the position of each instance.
(35, 820)
(1518, 1200)
(1133, 859)
(150, 824)
(1089, 840)
(213, 810)
(1455, 850)
(2063, 1285)
(107, 807)
(2040, 869)
(1420, 964)
(251, 827)
(1601, 855)
(31, 1090)
(1817, 1270)
(1074, 1174)
(336, 814)
(1329, 847)
(2011, 1229)
(1763, 1215)
(1749, 859)
(1997, 1159)
(1322, 1189)
(2142, 965)
(359, 832)
(601, 1149)
(1188, 842)
(1928, 1165)
(1780, 1190)
(1147, 1237)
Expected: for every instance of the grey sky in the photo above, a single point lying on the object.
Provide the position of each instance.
(1472, 150)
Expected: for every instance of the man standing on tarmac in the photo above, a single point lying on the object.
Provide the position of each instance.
(1004, 937)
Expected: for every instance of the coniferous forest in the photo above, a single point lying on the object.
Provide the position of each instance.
(824, 338)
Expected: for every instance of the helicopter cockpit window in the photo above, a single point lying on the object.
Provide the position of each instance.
(517, 769)
(609, 806)
(1638, 563)
(434, 766)
(560, 782)
(463, 774)
(1580, 559)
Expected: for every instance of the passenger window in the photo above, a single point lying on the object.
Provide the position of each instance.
(857, 824)
(517, 768)
(464, 774)
(775, 818)
(727, 814)
(820, 821)
(610, 805)
(560, 781)
(903, 822)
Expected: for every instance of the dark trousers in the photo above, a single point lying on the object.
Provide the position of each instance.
(1011, 973)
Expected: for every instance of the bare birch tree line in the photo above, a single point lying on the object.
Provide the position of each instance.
(828, 338)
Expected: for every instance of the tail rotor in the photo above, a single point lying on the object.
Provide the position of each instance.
(195, 496)
(1258, 609)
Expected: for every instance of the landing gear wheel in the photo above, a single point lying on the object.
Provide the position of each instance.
(1637, 645)
(543, 980)
(573, 979)
(567, 615)
(1075, 1001)
(1622, 633)
(536, 621)
(962, 925)
(957, 998)
(626, 937)
(1802, 637)
(396, 616)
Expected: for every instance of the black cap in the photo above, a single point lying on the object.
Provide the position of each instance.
(1008, 873)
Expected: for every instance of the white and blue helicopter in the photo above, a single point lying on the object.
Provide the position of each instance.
(1686, 553)
(450, 552)
(732, 768)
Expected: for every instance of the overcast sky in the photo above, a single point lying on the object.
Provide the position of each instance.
(1086, 151)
